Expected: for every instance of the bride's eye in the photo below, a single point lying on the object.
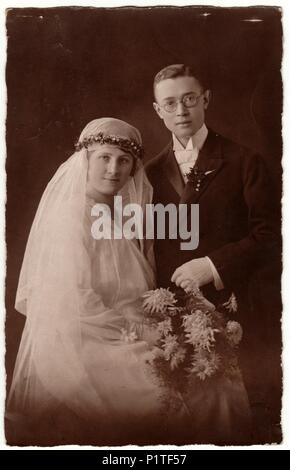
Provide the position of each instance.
(124, 160)
(106, 158)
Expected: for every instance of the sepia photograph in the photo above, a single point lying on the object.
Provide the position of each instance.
(143, 226)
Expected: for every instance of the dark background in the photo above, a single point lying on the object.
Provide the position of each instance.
(67, 66)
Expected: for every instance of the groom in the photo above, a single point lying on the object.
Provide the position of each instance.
(228, 181)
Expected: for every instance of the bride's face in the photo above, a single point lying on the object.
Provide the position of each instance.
(109, 169)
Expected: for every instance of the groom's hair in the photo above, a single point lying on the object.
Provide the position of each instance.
(180, 70)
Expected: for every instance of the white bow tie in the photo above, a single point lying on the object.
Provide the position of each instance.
(186, 156)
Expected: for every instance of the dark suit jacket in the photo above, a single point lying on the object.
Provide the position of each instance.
(237, 228)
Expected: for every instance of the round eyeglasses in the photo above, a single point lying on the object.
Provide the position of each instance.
(189, 101)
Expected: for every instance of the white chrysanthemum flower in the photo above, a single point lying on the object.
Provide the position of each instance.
(158, 300)
(158, 352)
(170, 346)
(164, 327)
(198, 330)
(128, 337)
(177, 358)
(205, 366)
(155, 353)
(231, 304)
(234, 332)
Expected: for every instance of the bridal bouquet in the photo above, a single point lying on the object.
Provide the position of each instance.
(193, 338)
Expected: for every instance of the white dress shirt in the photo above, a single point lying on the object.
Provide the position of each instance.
(186, 158)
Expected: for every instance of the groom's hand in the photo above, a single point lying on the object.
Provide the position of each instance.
(198, 270)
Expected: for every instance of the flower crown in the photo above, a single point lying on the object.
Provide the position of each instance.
(127, 144)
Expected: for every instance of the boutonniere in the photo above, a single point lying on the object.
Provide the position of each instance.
(196, 177)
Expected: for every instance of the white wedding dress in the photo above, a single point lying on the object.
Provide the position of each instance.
(82, 373)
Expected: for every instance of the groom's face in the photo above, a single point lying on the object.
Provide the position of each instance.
(183, 121)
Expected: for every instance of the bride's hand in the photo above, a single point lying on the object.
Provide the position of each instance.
(133, 312)
(150, 334)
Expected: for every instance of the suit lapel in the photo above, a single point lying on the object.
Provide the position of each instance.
(210, 161)
(172, 171)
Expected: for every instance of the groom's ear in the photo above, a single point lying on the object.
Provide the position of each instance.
(206, 98)
(158, 110)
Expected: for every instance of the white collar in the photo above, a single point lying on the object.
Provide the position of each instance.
(196, 141)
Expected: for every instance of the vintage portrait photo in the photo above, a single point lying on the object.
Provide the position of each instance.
(143, 226)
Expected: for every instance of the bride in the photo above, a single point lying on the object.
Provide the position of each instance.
(79, 377)
(82, 374)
